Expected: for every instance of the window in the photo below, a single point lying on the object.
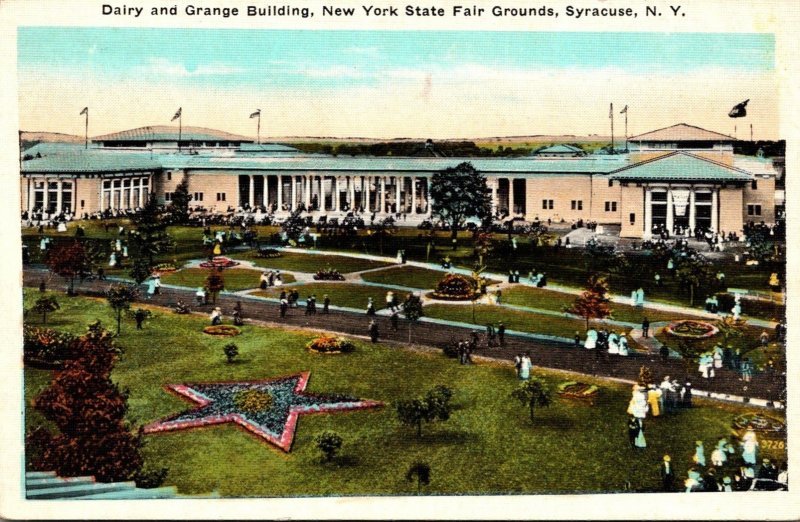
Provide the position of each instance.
(611, 206)
(82, 203)
(577, 204)
(169, 176)
(611, 183)
(167, 196)
(633, 218)
(547, 204)
(198, 196)
(754, 185)
(220, 196)
(753, 210)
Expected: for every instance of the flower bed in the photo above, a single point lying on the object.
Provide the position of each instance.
(219, 262)
(330, 344)
(164, 267)
(253, 401)
(268, 253)
(578, 390)
(688, 329)
(46, 347)
(760, 423)
(221, 330)
(455, 287)
(328, 275)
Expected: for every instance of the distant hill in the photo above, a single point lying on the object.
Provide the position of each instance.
(49, 137)
(534, 138)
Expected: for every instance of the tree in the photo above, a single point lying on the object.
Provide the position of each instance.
(44, 305)
(420, 470)
(69, 261)
(434, 406)
(89, 411)
(329, 443)
(231, 351)
(592, 303)
(215, 283)
(120, 298)
(694, 271)
(140, 270)
(604, 258)
(179, 210)
(412, 309)
(293, 226)
(459, 193)
(533, 393)
(381, 230)
(150, 236)
(645, 377)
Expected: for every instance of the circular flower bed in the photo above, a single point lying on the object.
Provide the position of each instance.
(268, 253)
(455, 287)
(221, 330)
(578, 390)
(329, 344)
(688, 329)
(219, 262)
(328, 275)
(759, 422)
(253, 401)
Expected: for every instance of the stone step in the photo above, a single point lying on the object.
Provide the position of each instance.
(154, 493)
(39, 474)
(56, 482)
(79, 490)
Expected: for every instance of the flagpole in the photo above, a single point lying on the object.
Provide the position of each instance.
(86, 132)
(626, 128)
(180, 130)
(611, 112)
(258, 133)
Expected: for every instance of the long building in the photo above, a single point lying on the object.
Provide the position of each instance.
(677, 178)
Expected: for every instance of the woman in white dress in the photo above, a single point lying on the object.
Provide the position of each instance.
(613, 343)
(591, 340)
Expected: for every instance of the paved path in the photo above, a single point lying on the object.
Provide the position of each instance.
(545, 352)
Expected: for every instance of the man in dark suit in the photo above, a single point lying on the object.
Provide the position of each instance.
(645, 327)
(667, 475)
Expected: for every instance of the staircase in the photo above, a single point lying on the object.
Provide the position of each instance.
(45, 485)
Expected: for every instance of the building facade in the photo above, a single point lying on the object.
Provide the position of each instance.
(672, 179)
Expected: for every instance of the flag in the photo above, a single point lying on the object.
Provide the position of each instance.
(739, 111)
(84, 111)
(256, 114)
(624, 111)
(611, 111)
(177, 114)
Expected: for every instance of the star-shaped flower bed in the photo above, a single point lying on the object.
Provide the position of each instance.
(268, 408)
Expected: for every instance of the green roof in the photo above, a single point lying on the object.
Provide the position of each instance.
(91, 161)
(266, 147)
(171, 133)
(387, 165)
(681, 166)
(561, 149)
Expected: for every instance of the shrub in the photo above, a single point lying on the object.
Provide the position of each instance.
(455, 287)
(268, 253)
(434, 406)
(450, 349)
(329, 274)
(149, 478)
(231, 351)
(331, 344)
(223, 330)
(46, 345)
(329, 443)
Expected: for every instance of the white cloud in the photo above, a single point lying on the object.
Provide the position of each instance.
(163, 66)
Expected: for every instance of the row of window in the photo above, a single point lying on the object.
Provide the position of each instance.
(197, 196)
(753, 210)
(577, 204)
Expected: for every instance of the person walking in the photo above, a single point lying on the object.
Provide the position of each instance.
(370, 307)
(326, 303)
(645, 327)
(699, 456)
(151, 288)
(501, 334)
(394, 319)
(633, 431)
(525, 366)
(667, 474)
(139, 316)
(283, 307)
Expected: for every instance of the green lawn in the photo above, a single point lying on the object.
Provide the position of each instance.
(489, 445)
(553, 300)
(341, 294)
(410, 276)
(311, 262)
(235, 278)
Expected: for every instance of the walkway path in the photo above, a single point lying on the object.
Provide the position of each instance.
(549, 352)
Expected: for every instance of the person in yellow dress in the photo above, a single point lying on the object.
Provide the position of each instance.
(653, 396)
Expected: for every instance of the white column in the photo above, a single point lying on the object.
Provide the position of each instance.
(140, 201)
(58, 197)
(398, 184)
(365, 193)
(414, 195)
(280, 192)
(265, 192)
(307, 189)
(494, 195)
(293, 188)
(511, 196)
(383, 195)
(102, 196)
(428, 201)
(251, 194)
(336, 193)
(714, 213)
(46, 185)
(648, 213)
(352, 202)
(670, 212)
(692, 212)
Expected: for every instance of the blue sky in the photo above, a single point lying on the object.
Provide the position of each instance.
(331, 65)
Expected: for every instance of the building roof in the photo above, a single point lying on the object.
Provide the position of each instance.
(266, 147)
(170, 133)
(682, 132)
(49, 148)
(91, 161)
(387, 165)
(681, 166)
(560, 149)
